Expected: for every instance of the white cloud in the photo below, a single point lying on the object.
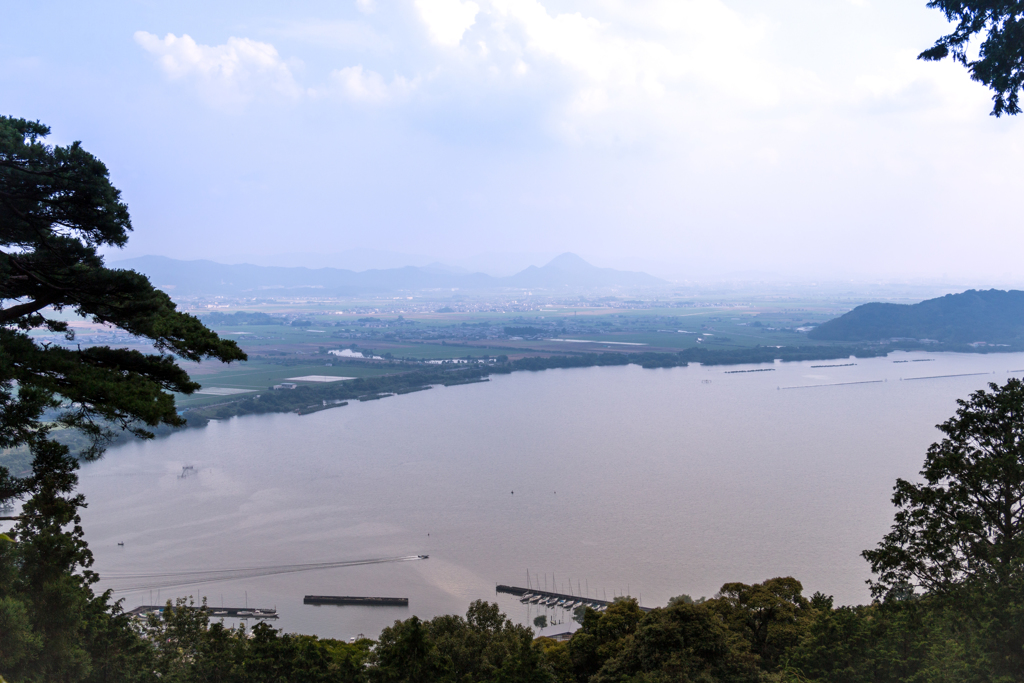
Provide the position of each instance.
(360, 85)
(366, 6)
(243, 69)
(624, 70)
(639, 67)
(616, 71)
(447, 20)
(227, 74)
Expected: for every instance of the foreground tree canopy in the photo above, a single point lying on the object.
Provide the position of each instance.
(959, 535)
(1000, 61)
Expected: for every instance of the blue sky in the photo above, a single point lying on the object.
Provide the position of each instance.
(694, 137)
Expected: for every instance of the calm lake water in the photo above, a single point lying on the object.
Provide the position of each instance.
(651, 482)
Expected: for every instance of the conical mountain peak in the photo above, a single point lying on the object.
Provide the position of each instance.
(569, 262)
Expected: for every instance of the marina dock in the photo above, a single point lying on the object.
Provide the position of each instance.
(215, 612)
(354, 600)
(549, 599)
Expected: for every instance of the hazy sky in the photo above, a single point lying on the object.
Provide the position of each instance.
(787, 136)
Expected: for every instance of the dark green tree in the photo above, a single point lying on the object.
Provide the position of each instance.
(1000, 60)
(57, 209)
(602, 636)
(771, 616)
(890, 642)
(187, 648)
(406, 652)
(483, 646)
(681, 642)
(958, 536)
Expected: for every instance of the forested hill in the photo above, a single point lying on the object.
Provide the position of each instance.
(993, 316)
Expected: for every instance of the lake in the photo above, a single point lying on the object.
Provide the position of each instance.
(621, 480)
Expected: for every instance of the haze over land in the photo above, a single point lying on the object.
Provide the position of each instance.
(564, 273)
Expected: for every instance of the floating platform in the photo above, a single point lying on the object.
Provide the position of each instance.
(354, 600)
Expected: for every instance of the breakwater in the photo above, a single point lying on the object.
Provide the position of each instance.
(354, 600)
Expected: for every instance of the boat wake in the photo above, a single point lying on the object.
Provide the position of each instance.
(129, 583)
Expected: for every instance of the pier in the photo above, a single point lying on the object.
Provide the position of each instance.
(354, 600)
(549, 599)
(229, 612)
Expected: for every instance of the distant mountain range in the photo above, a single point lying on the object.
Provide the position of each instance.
(563, 273)
(498, 264)
(993, 317)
